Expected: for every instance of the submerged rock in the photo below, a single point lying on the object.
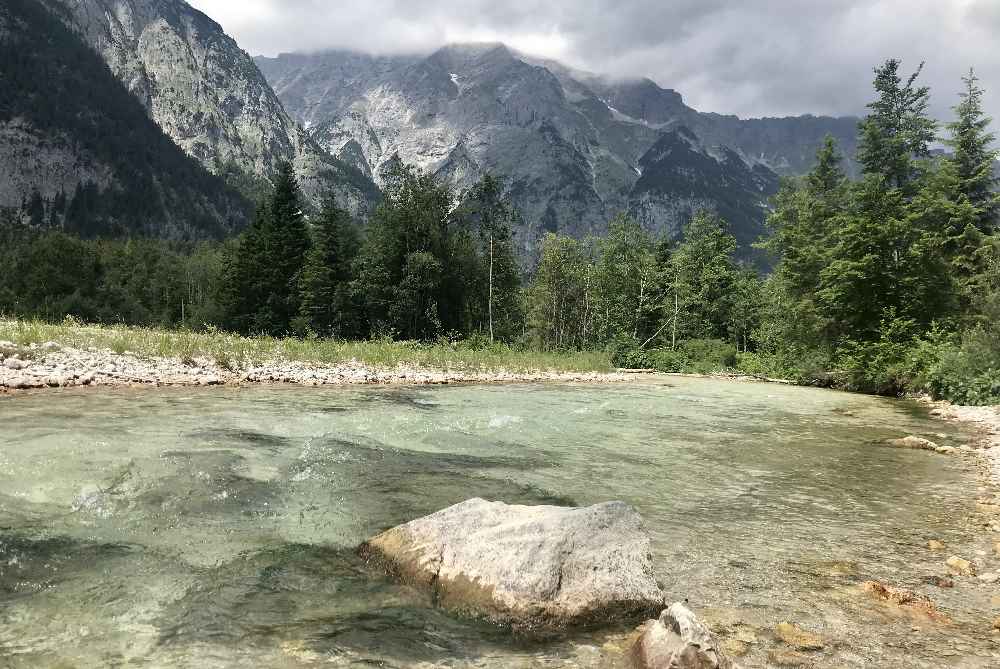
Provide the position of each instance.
(960, 566)
(535, 568)
(916, 443)
(797, 637)
(678, 640)
(935, 545)
(910, 602)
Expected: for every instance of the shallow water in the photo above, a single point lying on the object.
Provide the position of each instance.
(216, 528)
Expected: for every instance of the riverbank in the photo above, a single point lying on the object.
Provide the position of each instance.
(37, 355)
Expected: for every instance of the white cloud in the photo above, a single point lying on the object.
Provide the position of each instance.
(750, 57)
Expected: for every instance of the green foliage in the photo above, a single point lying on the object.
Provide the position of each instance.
(263, 273)
(328, 306)
(876, 280)
(561, 297)
(419, 266)
(624, 280)
(897, 133)
(695, 356)
(973, 156)
(489, 211)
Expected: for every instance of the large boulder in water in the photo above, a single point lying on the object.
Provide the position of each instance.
(678, 640)
(537, 569)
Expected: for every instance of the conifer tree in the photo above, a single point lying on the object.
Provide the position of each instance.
(263, 284)
(973, 157)
(326, 306)
(897, 132)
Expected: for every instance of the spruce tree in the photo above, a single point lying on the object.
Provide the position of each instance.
(972, 154)
(263, 272)
(897, 132)
(326, 306)
(285, 241)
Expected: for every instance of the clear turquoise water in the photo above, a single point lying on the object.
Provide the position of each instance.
(217, 528)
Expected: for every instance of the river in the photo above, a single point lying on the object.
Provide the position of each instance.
(217, 527)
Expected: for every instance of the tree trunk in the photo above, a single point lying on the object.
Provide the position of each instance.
(491, 288)
(677, 311)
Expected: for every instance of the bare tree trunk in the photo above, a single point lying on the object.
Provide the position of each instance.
(677, 312)
(491, 288)
(638, 309)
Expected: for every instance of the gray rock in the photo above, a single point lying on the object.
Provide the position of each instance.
(15, 363)
(535, 568)
(678, 640)
(24, 383)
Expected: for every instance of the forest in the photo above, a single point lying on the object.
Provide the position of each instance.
(886, 284)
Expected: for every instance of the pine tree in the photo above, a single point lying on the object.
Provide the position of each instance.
(972, 155)
(284, 243)
(263, 272)
(897, 132)
(326, 306)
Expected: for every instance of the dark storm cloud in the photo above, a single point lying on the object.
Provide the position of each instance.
(750, 57)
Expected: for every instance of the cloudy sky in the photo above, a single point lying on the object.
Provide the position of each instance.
(748, 57)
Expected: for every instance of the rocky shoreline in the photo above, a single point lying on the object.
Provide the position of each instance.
(50, 365)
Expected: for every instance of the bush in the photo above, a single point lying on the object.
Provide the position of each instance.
(968, 373)
(697, 356)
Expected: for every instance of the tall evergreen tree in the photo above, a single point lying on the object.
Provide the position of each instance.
(897, 133)
(263, 290)
(327, 307)
(973, 155)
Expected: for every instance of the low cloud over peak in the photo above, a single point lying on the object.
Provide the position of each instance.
(752, 58)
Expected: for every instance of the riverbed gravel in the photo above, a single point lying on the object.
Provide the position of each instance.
(50, 365)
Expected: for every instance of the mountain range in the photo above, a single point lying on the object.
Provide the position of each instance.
(576, 148)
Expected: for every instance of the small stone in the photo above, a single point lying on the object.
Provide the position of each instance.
(935, 545)
(797, 637)
(787, 658)
(210, 381)
(87, 379)
(991, 577)
(945, 450)
(960, 567)
(996, 624)
(940, 581)
(736, 647)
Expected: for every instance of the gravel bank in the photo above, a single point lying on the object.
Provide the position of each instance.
(50, 365)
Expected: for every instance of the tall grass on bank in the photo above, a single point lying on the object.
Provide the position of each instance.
(235, 351)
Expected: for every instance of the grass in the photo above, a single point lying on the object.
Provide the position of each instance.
(232, 351)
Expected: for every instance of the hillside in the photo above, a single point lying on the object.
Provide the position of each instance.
(78, 151)
(208, 95)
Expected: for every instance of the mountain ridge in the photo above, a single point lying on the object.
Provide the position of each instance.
(208, 95)
(569, 142)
